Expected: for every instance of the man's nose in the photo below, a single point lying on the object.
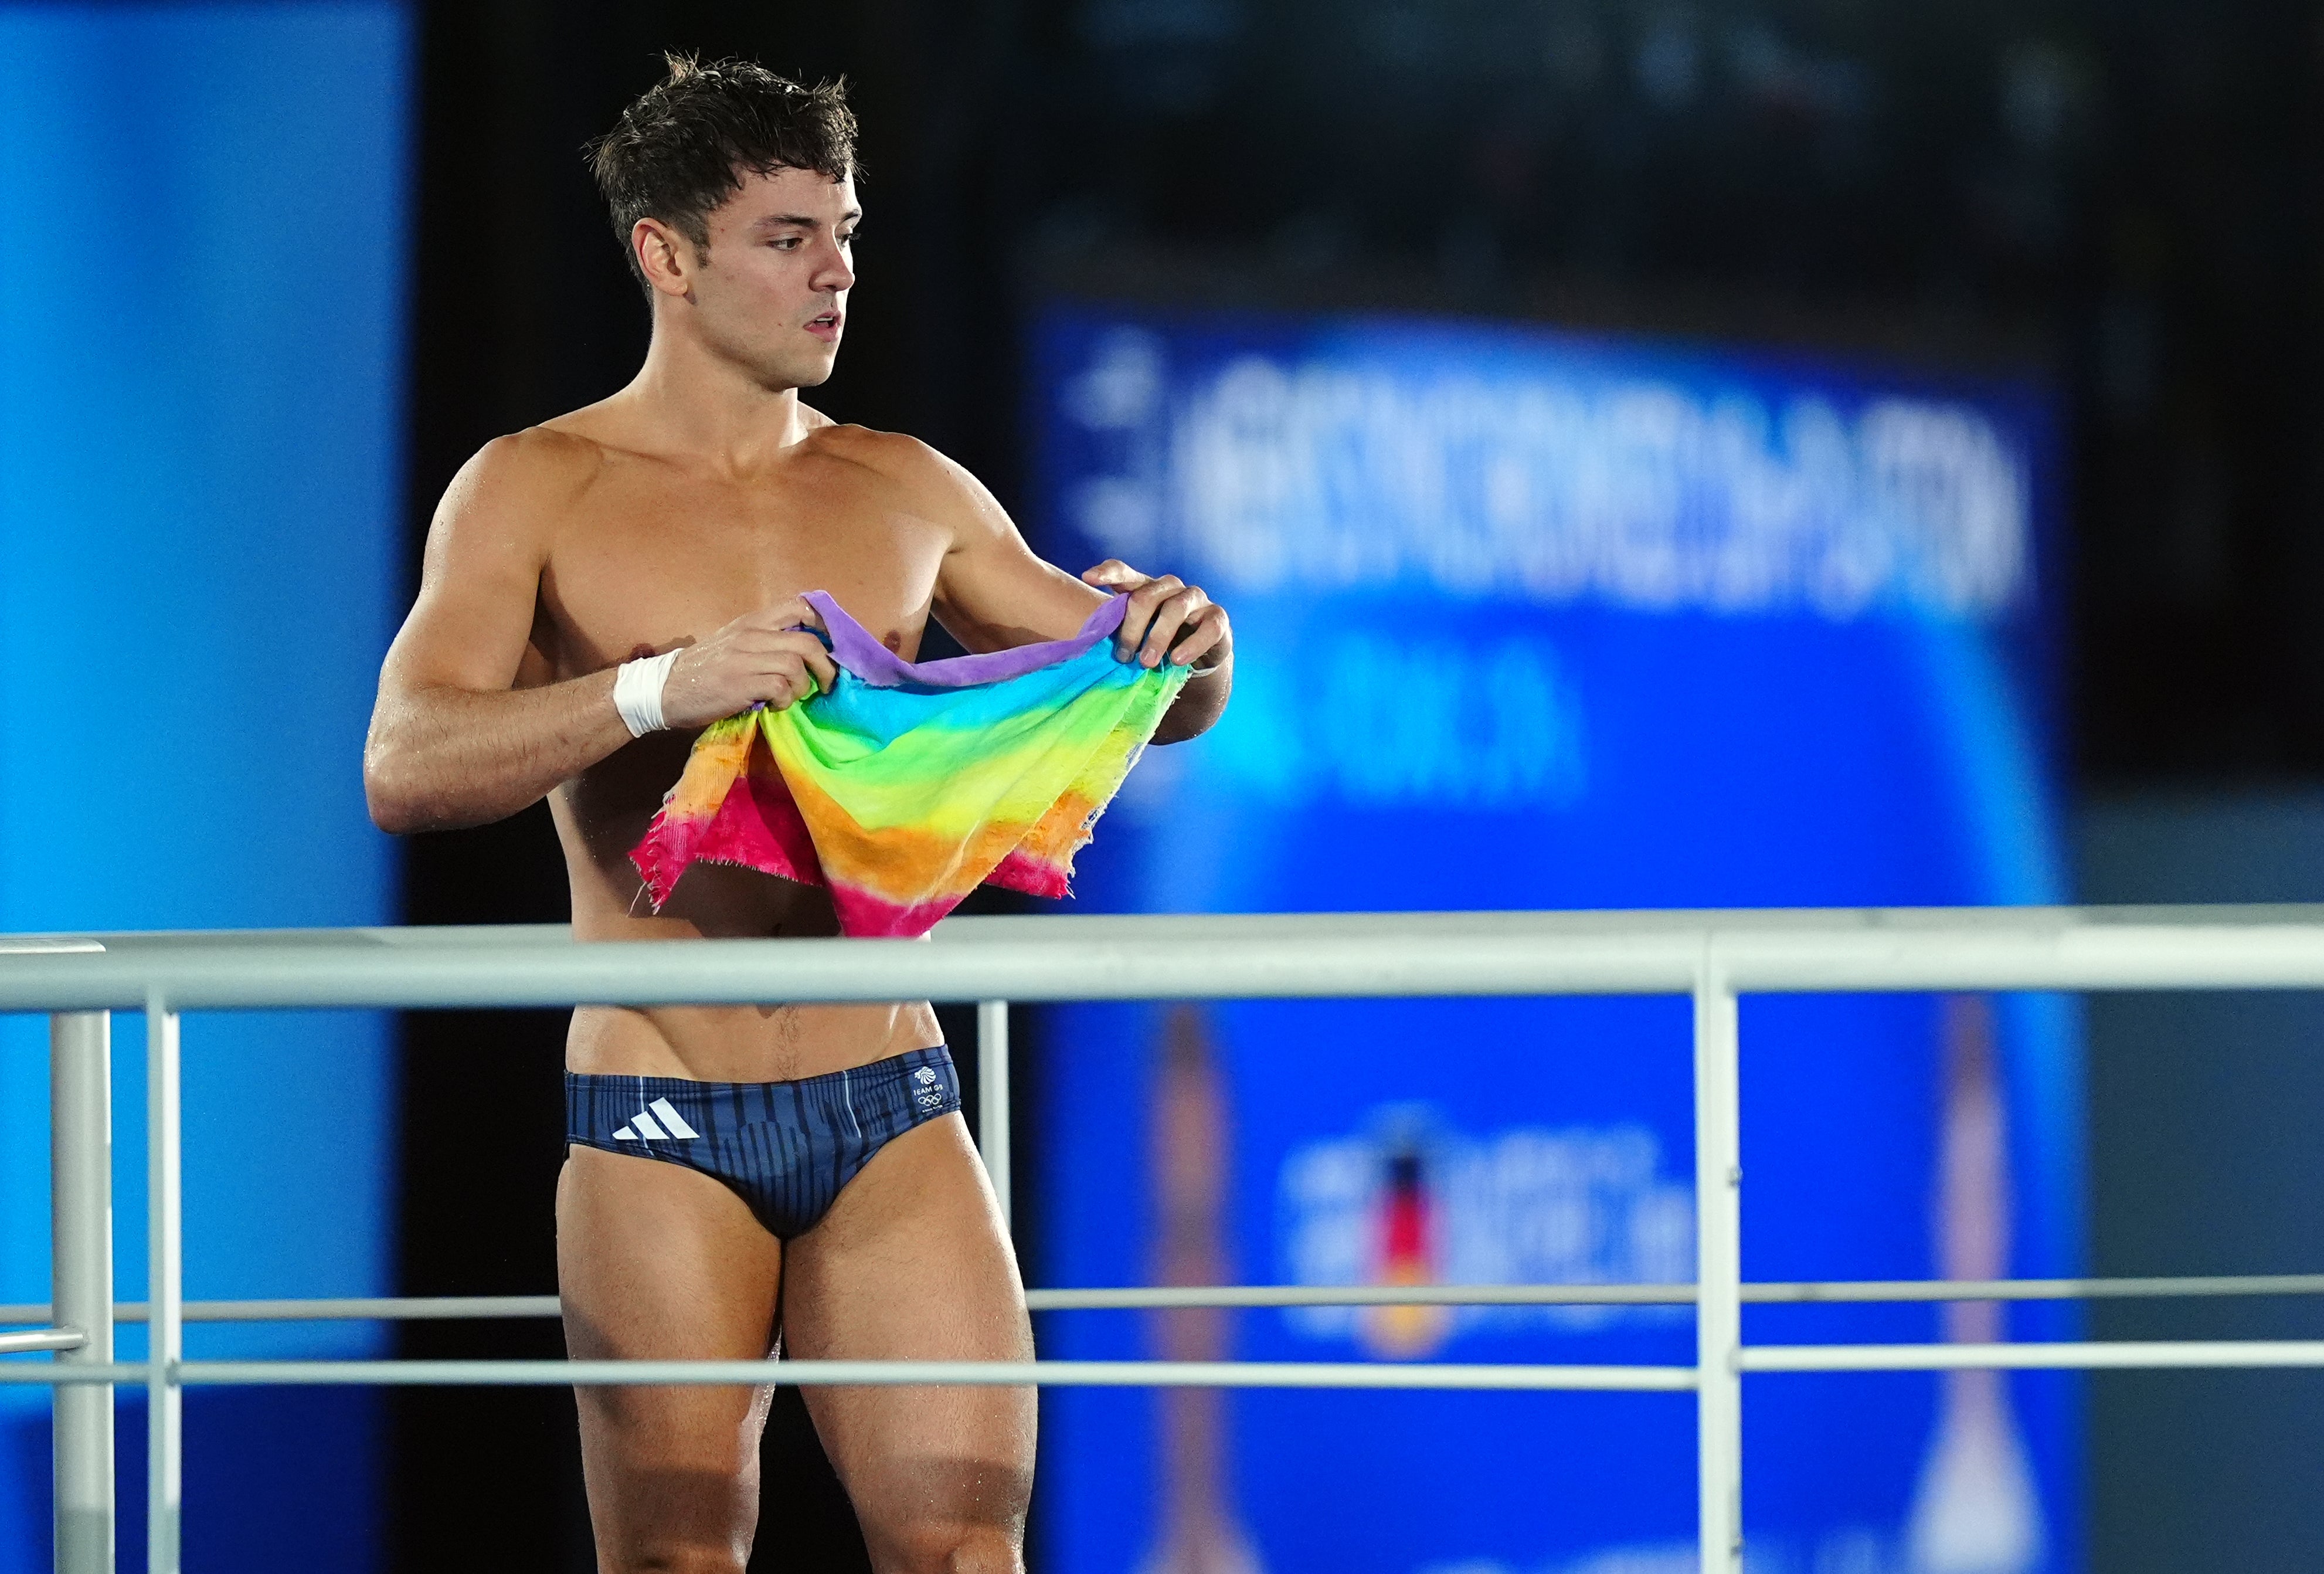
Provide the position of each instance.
(835, 273)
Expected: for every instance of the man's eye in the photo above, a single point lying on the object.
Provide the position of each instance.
(790, 243)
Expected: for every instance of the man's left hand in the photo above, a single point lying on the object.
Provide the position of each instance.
(1166, 619)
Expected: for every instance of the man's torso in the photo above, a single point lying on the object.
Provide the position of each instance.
(647, 553)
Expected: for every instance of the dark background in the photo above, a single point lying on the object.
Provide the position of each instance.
(2122, 198)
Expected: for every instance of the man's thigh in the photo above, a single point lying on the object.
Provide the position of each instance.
(657, 1262)
(911, 1263)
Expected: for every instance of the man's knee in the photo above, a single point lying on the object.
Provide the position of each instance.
(676, 1544)
(690, 1561)
(955, 1548)
(696, 1558)
(961, 1514)
(671, 1520)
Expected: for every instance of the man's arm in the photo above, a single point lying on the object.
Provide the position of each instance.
(468, 728)
(994, 593)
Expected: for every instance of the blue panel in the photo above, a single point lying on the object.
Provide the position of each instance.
(200, 483)
(1532, 620)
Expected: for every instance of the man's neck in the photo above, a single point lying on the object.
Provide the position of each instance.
(700, 403)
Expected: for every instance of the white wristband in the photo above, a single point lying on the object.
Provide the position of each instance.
(637, 692)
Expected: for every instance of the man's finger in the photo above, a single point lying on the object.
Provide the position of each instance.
(1171, 617)
(803, 664)
(783, 616)
(1194, 647)
(1113, 572)
(1206, 634)
(780, 618)
(797, 653)
(1135, 618)
(1138, 616)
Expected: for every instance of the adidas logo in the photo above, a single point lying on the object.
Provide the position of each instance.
(659, 1121)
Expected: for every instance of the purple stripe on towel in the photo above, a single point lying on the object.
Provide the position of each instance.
(854, 647)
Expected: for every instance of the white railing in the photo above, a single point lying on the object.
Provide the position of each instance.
(1712, 957)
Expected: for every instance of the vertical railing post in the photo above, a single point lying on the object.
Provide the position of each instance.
(164, 1292)
(1718, 1270)
(81, 1220)
(993, 1096)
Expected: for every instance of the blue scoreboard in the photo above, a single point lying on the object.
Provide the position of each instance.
(1528, 619)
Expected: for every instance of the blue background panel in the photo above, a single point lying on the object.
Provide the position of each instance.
(199, 554)
(1532, 620)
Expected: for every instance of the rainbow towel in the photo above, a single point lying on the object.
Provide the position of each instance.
(911, 782)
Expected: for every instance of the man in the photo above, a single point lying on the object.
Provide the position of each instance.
(637, 565)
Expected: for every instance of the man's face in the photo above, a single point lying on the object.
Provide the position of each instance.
(772, 293)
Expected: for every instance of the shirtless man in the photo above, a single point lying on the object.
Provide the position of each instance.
(688, 513)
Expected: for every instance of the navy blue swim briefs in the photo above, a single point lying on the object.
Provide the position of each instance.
(784, 1148)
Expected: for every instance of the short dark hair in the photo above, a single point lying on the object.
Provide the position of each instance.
(683, 148)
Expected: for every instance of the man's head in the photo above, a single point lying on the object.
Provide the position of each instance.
(733, 192)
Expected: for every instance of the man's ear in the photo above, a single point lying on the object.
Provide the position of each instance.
(667, 257)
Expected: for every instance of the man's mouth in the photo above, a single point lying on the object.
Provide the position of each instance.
(827, 327)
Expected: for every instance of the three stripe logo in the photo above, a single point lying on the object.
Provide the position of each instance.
(659, 1121)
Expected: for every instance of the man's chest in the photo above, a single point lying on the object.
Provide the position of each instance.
(638, 568)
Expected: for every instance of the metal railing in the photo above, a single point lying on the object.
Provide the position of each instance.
(1711, 957)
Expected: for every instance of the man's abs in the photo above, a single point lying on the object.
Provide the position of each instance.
(772, 1043)
(744, 1043)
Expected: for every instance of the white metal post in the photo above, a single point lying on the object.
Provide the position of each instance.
(81, 1220)
(165, 1293)
(993, 1096)
(1719, 1272)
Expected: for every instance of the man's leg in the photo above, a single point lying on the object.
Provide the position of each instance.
(661, 1262)
(911, 1263)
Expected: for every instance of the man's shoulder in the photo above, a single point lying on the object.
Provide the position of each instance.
(524, 480)
(923, 478)
(890, 455)
(540, 460)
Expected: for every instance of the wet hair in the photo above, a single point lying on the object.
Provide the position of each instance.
(682, 149)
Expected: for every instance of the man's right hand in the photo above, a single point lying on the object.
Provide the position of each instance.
(763, 657)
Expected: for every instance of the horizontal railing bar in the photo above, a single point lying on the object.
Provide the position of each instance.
(927, 1374)
(358, 1308)
(266, 975)
(2156, 1288)
(1176, 1297)
(2128, 1354)
(1133, 1298)
(1768, 1293)
(2145, 1354)
(1209, 956)
(48, 1339)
